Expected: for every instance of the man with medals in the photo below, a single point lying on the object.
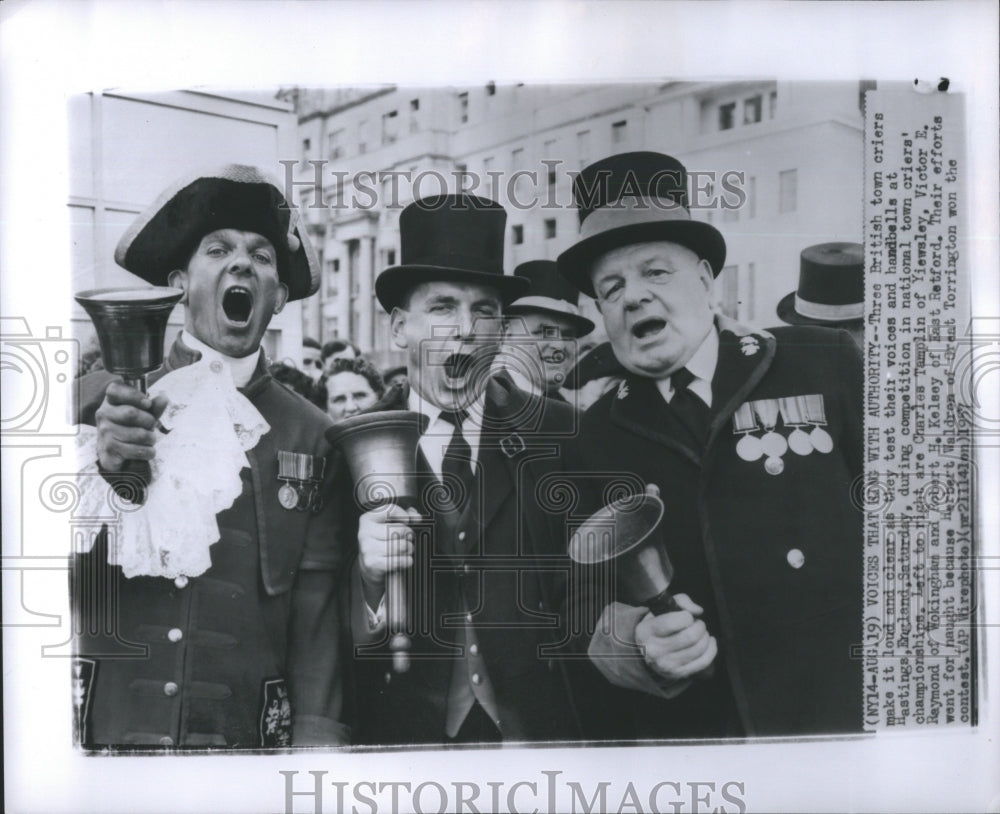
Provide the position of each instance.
(753, 441)
(484, 560)
(207, 617)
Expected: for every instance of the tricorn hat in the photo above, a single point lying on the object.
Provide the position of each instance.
(162, 238)
(549, 293)
(831, 286)
(634, 198)
(453, 238)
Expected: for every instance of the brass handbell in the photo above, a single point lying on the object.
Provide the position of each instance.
(130, 325)
(381, 450)
(625, 533)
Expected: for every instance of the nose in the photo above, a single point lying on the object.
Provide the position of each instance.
(240, 262)
(635, 293)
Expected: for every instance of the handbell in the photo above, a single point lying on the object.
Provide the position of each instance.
(381, 452)
(624, 533)
(131, 324)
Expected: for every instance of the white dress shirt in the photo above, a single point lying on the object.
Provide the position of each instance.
(702, 366)
(434, 442)
(241, 369)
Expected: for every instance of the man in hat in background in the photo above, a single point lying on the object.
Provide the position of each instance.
(242, 650)
(831, 290)
(485, 562)
(542, 329)
(753, 441)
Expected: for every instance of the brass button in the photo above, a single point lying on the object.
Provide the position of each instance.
(216, 366)
(170, 688)
(465, 567)
(476, 679)
(175, 634)
(468, 618)
(166, 740)
(181, 581)
(796, 558)
(474, 648)
(461, 536)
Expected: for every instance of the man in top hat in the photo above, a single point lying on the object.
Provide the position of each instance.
(242, 650)
(753, 441)
(485, 563)
(542, 329)
(831, 290)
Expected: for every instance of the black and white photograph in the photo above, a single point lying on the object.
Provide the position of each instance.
(452, 409)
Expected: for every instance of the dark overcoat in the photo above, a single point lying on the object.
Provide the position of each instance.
(504, 559)
(775, 559)
(244, 655)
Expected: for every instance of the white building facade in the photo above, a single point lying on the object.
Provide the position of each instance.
(776, 166)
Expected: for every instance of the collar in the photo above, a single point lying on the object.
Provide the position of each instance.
(242, 369)
(702, 366)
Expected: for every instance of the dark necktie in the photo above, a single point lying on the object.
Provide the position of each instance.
(457, 463)
(689, 408)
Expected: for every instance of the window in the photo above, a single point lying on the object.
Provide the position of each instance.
(491, 88)
(463, 107)
(517, 159)
(306, 150)
(772, 104)
(729, 300)
(518, 235)
(753, 109)
(727, 116)
(363, 137)
(788, 182)
(864, 85)
(414, 115)
(335, 144)
(389, 124)
(550, 153)
(550, 228)
(619, 132)
(583, 148)
(332, 278)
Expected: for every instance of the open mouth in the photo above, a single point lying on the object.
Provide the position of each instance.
(457, 365)
(237, 303)
(650, 326)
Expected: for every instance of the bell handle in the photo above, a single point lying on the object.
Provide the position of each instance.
(139, 472)
(395, 603)
(663, 602)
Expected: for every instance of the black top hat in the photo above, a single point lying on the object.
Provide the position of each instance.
(162, 238)
(597, 363)
(456, 238)
(550, 293)
(831, 286)
(634, 198)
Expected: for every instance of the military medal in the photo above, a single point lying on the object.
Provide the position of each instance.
(772, 443)
(301, 475)
(748, 447)
(816, 415)
(793, 415)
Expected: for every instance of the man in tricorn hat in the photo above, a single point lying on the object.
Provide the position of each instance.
(831, 291)
(240, 647)
(485, 562)
(753, 441)
(542, 329)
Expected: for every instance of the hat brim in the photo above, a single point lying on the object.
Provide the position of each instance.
(583, 325)
(787, 313)
(161, 238)
(702, 238)
(393, 284)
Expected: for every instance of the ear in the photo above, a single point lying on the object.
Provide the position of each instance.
(178, 279)
(705, 273)
(281, 297)
(397, 327)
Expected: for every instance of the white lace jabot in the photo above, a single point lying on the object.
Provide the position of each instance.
(196, 474)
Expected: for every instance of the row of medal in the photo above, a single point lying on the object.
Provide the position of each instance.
(301, 476)
(798, 413)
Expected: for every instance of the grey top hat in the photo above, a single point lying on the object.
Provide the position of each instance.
(831, 286)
